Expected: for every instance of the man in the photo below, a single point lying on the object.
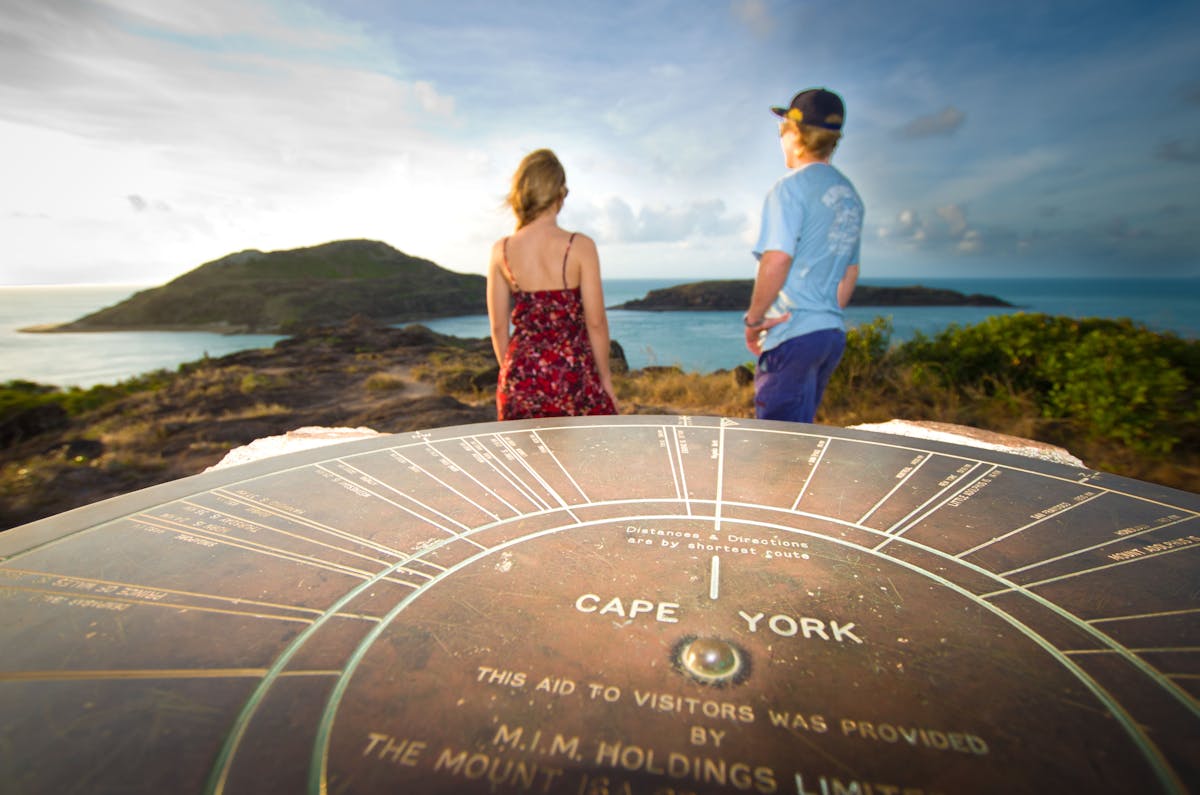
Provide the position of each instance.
(807, 254)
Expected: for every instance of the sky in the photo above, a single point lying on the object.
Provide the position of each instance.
(142, 138)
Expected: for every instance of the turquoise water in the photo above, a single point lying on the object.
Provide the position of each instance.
(696, 341)
(95, 358)
(706, 341)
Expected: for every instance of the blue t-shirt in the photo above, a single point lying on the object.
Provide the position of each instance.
(813, 214)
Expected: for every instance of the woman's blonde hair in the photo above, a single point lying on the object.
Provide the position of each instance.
(817, 141)
(539, 183)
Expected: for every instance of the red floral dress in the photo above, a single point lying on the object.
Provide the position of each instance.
(549, 369)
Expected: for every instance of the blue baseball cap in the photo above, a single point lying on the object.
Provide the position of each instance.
(816, 107)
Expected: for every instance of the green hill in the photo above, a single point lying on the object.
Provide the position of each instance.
(281, 291)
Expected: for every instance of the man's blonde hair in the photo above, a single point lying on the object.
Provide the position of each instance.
(538, 184)
(816, 141)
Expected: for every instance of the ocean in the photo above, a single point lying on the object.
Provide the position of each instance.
(695, 341)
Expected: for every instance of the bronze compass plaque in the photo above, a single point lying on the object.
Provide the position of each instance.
(610, 606)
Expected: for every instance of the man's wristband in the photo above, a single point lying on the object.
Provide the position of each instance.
(756, 324)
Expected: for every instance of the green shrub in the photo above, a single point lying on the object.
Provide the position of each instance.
(19, 396)
(252, 381)
(866, 348)
(77, 400)
(1113, 379)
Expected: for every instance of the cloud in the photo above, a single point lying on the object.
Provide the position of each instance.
(986, 177)
(947, 231)
(616, 222)
(1149, 239)
(141, 204)
(955, 217)
(670, 72)
(908, 228)
(237, 126)
(1120, 228)
(430, 101)
(945, 122)
(270, 125)
(1179, 151)
(755, 15)
(970, 243)
(908, 221)
(234, 82)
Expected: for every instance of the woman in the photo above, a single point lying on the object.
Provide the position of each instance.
(555, 363)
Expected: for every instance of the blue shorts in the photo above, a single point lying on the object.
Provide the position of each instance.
(791, 377)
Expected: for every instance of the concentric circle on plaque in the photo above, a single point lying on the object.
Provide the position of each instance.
(622, 605)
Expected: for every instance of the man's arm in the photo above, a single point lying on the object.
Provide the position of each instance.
(847, 284)
(773, 267)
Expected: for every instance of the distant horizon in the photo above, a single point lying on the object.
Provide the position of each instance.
(1166, 305)
(739, 266)
(683, 279)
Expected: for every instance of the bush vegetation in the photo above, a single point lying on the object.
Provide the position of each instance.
(1121, 397)
(23, 402)
(1117, 395)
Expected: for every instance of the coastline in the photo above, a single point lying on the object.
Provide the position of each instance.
(696, 341)
(203, 328)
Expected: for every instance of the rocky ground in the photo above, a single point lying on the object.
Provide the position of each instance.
(356, 375)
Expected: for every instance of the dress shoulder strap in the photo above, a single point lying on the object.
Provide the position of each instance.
(565, 255)
(508, 274)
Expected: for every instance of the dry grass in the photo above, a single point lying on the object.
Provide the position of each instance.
(672, 391)
(465, 375)
(255, 411)
(862, 391)
(118, 432)
(384, 382)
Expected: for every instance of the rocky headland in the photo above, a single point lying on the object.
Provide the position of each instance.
(279, 292)
(734, 295)
(168, 425)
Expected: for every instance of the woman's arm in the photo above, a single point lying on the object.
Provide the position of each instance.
(594, 314)
(499, 303)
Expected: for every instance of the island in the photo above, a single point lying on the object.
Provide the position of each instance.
(280, 292)
(734, 295)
